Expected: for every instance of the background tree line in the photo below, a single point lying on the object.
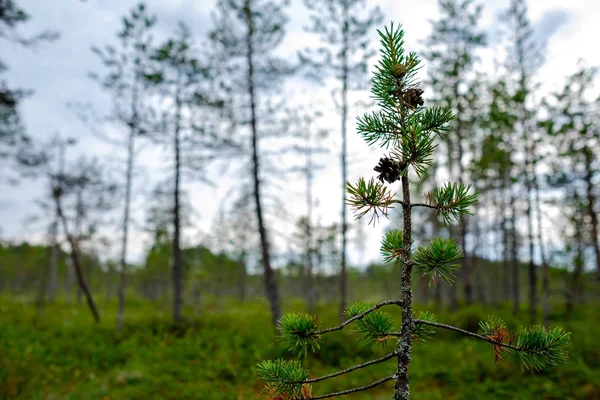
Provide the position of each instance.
(229, 103)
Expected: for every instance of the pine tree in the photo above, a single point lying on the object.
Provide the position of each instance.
(452, 56)
(246, 35)
(409, 130)
(182, 82)
(343, 26)
(126, 83)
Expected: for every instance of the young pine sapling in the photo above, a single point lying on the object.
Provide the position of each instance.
(410, 131)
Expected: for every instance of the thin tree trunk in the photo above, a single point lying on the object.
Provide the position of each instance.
(242, 277)
(532, 268)
(514, 255)
(76, 262)
(127, 205)
(401, 388)
(344, 164)
(540, 238)
(505, 246)
(177, 267)
(591, 206)
(272, 290)
(479, 287)
(452, 289)
(309, 280)
(53, 268)
(574, 291)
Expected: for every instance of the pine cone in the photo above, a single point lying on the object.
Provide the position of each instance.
(412, 97)
(399, 70)
(388, 170)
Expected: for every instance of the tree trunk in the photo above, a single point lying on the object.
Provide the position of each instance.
(308, 278)
(177, 267)
(344, 165)
(591, 205)
(505, 246)
(242, 277)
(53, 270)
(540, 238)
(271, 288)
(514, 254)
(125, 225)
(76, 262)
(574, 290)
(532, 268)
(401, 387)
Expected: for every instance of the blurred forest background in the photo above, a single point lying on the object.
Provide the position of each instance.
(182, 182)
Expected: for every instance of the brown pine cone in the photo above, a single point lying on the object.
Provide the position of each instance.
(388, 170)
(412, 97)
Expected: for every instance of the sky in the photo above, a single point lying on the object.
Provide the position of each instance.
(58, 74)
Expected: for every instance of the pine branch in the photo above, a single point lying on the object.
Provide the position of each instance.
(438, 257)
(536, 346)
(359, 389)
(359, 316)
(464, 332)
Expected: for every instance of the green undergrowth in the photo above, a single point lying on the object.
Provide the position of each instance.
(62, 354)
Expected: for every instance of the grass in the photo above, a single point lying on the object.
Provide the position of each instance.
(62, 354)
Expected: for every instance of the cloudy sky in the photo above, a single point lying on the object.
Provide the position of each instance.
(57, 72)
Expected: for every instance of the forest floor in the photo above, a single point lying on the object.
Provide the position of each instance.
(61, 354)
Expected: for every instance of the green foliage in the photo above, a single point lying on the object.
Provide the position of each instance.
(491, 325)
(63, 354)
(375, 327)
(372, 196)
(422, 332)
(408, 127)
(452, 201)
(356, 308)
(283, 378)
(298, 333)
(392, 245)
(438, 258)
(540, 347)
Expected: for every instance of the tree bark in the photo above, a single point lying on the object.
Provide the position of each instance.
(271, 288)
(401, 387)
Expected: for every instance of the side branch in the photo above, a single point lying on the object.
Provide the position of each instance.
(358, 316)
(359, 389)
(354, 368)
(396, 201)
(467, 333)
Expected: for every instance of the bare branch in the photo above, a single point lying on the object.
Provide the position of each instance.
(359, 389)
(354, 368)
